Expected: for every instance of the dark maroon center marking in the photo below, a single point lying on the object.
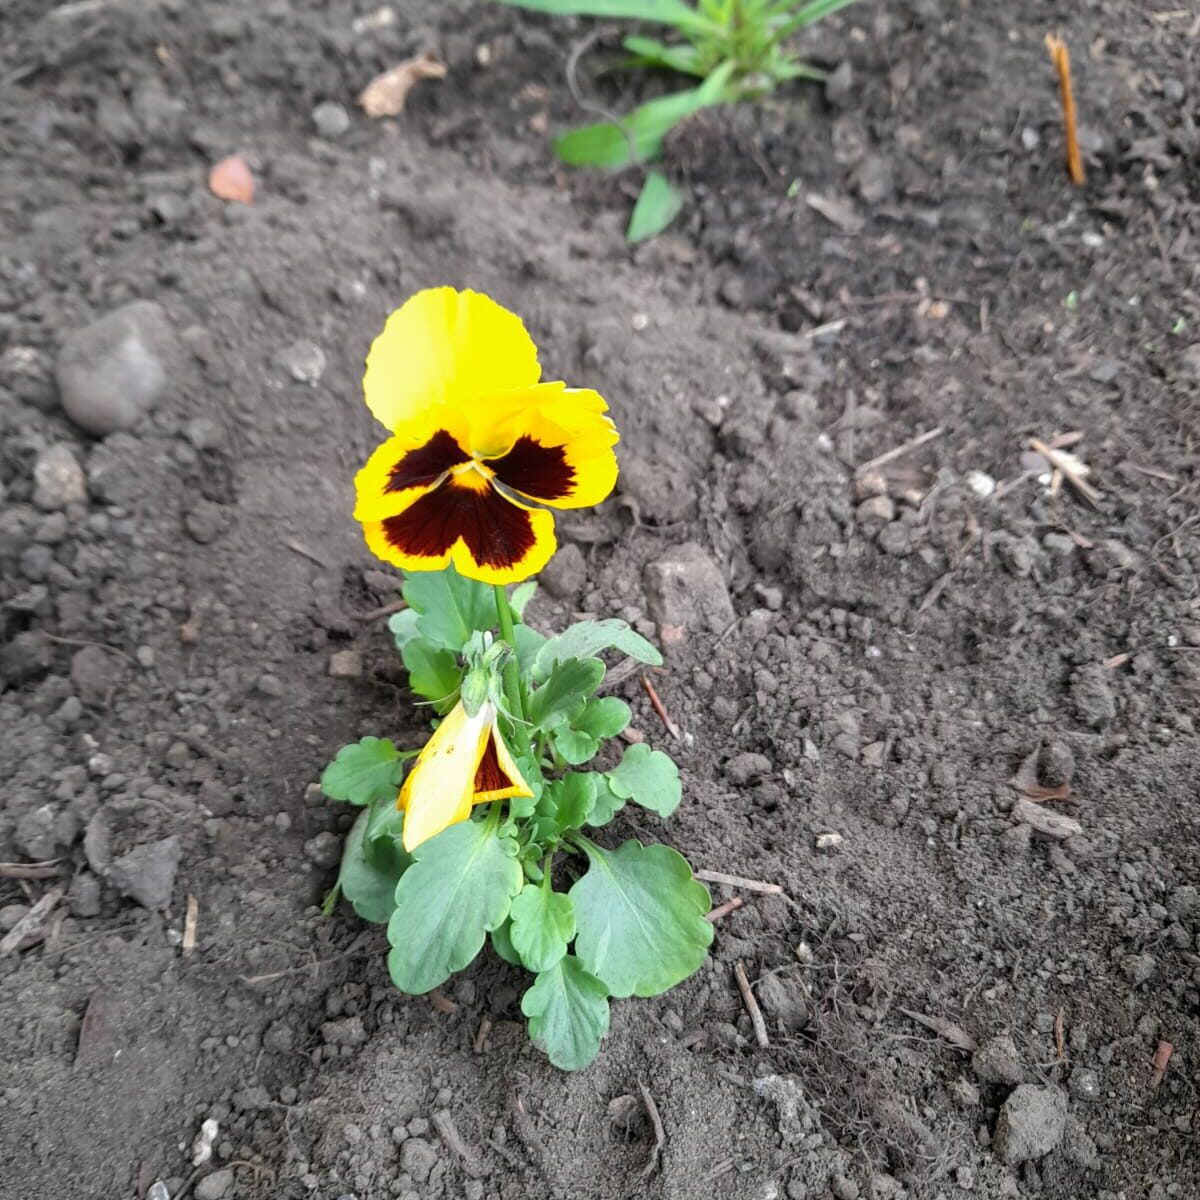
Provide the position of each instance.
(426, 464)
(496, 531)
(535, 470)
(489, 775)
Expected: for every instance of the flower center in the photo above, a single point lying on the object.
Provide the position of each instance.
(472, 475)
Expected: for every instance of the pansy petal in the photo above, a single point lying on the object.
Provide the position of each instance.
(398, 473)
(563, 457)
(497, 777)
(445, 347)
(439, 788)
(488, 536)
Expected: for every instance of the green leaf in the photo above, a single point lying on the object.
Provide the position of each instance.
(520, 596)
(458, 889)
(588, 638)
(529, 644)
(371, 868)
(665, 12)
(639, 916)
(649, 778)
(657, 206)
(404, 626)
(574, 746)
(568, 1014)
(565, 692)
(451, 606)
(569, 800)
(604, 717)
(606, 804)
(809, 14)
(433, 672)
(639, 136)
(542, 922)
(364, 771)
(652, 52)
(502, 944)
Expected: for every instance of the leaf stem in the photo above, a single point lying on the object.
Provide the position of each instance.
(512, 669)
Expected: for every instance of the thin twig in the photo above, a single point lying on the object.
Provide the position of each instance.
(481, 1035)
(723, 910)
(659, 708)
(756, 1017)
(189, 925)
(31, 922)
(897, 451)
(1063, 465)
(1062, 63)
(660, 1137)
(1060, 1041)
(36, 870)
(305, 552)
(739, 881)
(384, 610)
(441, 1002)
(1162, 1056)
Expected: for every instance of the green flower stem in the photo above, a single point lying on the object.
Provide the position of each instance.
(512, 670)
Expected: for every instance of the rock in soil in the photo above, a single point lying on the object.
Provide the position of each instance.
(997, 1061)
(1031, 1124)
(686, 591)
(58, 479)
(215, 1186)
(784, 1002)
(111, 372)
(147, 873)
(95, 672)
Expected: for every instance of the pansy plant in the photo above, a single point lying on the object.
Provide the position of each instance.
(479, 835)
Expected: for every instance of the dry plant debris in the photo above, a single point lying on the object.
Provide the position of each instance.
(386, 94)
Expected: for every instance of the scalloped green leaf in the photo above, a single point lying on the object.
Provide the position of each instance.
(373, 860)
(639, 918)
(364, 771)
(451, 607)
(458, 889)
(567, 1009)
(647, 777)
(542, 923)
(433, 672)
(565, 692)
(588, 638)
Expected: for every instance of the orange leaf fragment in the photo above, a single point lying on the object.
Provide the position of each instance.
(385, 95)
(231, 179)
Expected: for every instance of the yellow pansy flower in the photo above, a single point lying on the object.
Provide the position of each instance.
(465, 762)
(481, 449)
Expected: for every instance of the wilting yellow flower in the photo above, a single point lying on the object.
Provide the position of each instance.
(465, 762)
(479, 445)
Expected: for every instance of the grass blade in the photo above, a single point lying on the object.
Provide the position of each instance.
(657, 206)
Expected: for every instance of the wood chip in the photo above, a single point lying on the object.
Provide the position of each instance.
(1044, 821)
(1162, 1056)
(96, 1031)
(31, 923)
(189, 925)
(386, 94)
(232, 179)
(954, 1034)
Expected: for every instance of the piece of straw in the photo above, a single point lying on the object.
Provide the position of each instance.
(1061, 58)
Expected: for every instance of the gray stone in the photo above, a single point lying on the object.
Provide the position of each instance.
(304, 361)
(839, 85)
(58, 479)
(685, 591)
(875, 511)
(348, 1031)
(1079, 1147)
(325, 850)
(84, 895)
(1093, 696)
(43, 831)
(895, 539)
(1138, 968)
(205, 522)
(997, 1061)
(417, 1159)
(95, 672)
(564, 575)
(745, 768)
(331, 119)
(147, 873)
(111, 372)
(1031, 1124)
(1045, 820)
(1084, 1085)
(783, 1001)
(346, 664)
(215, 1186)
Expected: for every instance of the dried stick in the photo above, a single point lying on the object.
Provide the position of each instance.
(481, 1035)
(1162, 1056)
(1063, 465)
(660, 1136)
(1061, 57)
(31, 922)
(189, 925)
(739, 881)
(897, 451)
(723, 910)
(756, 1017)
(38, 870)
(659, 708)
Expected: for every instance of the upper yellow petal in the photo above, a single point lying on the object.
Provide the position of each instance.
(446, 346)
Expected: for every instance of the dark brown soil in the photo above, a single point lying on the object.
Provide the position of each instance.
(898, 254)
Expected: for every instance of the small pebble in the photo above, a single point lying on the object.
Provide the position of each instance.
(331, 119)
